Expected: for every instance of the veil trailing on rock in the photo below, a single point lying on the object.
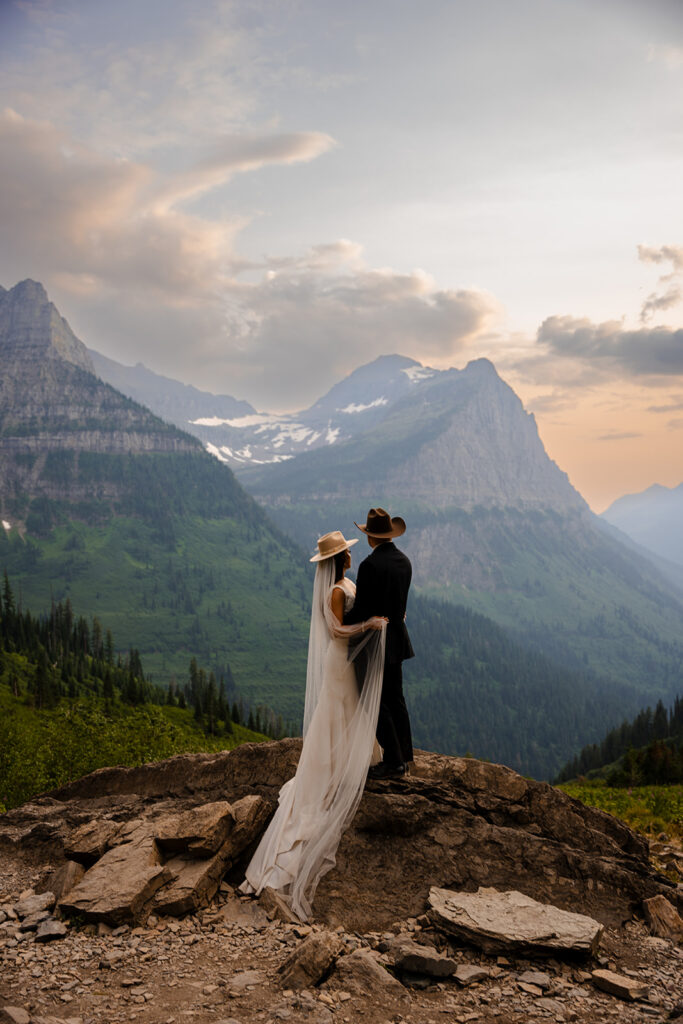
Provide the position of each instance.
(343, 689)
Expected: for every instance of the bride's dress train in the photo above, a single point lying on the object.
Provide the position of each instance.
(316, 805)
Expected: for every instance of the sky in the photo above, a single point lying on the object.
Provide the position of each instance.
(258, 196)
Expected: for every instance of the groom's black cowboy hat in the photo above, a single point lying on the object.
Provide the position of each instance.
(380, 524)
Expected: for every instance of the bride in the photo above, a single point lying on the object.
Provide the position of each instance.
(343, 688)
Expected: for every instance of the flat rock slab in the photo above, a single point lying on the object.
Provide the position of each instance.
(467, 974)
(537, 978)
(619, 985)
(425, 960)
(309, 961)
(359, 973)
(201, 831)
(245, 980)
(119, 888)
(51, 930)
(494, 920)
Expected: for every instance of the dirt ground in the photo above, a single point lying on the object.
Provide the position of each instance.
(221, 965)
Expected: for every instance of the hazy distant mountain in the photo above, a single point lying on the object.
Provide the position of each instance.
(238, 435)
(653, 518)
(493, 524)
(172, 401)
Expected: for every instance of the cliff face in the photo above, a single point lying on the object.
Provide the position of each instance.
(51, 402)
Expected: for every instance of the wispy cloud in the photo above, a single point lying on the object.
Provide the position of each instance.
(619, 436)
(669, 292)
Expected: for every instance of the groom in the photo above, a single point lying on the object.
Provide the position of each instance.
(382, 589)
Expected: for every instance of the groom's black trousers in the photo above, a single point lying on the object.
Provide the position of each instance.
(393, 724)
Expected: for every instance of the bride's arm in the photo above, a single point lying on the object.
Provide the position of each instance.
(337, 606)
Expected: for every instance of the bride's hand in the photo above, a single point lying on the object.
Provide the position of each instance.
(377, 621)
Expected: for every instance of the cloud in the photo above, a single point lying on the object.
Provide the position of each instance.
(609, 349)
(241, 153)
(669, 293)
(671, 407)
(618, 436)
(157, 283)
(321, 316)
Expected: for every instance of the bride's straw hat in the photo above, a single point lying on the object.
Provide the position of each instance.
(332, 544)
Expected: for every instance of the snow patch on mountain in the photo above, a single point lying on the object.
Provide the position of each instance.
(417, 373)
(6, 525)
(256, 420)
(358, 407)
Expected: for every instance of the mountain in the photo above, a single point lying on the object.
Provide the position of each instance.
(240, 436)
(174, 402)
(653, 519)
(105, 504)
(493, 524)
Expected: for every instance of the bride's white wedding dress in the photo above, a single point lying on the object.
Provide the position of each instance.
(316, 806)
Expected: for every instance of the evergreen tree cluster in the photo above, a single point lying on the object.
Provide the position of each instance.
(70, 657)
(645, 751)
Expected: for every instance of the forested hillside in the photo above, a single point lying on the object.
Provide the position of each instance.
(472, 688)
(69, 704)
(646, 750)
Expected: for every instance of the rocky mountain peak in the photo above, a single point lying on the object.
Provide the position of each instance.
(31, 329)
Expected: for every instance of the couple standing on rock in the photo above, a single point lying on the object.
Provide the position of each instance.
(355, 718)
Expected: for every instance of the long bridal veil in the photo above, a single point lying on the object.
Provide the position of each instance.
(343, 689)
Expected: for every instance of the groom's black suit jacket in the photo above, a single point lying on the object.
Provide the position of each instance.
(382, 589)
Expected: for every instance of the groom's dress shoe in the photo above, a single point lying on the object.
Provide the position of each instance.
(386, 771)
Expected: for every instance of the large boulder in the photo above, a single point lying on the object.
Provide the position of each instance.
(454, 823)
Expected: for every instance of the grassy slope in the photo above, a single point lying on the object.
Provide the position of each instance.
(648, 809)
(223, 592)
(40, 750)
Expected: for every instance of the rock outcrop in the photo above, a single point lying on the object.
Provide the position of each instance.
(456, 823)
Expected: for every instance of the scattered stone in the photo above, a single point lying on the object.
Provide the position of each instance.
(538, 978)
(14, 1015)
(33, 903)
(418, 959)
(276, 907)
(201, 831)
(51, 930)
(359, 973)
(120, 886)
(88, 842)
(311, 959)
(29, 924)
(467, 974)
(491, 919)
(664, 920)
(245, 980)
(619, 985)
